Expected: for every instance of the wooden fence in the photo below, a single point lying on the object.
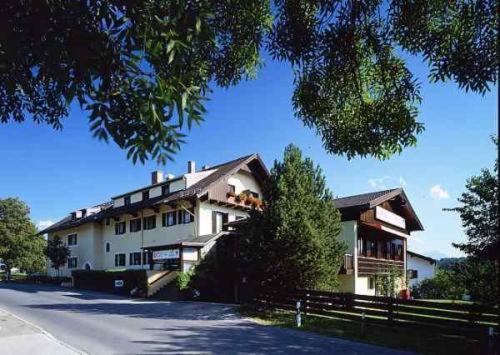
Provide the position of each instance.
(387, 310)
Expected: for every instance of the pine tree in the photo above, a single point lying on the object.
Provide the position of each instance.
(293, 242)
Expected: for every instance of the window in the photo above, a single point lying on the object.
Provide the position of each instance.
(108, 221)
(135, 225)
(412, 274)
(399, 252)
(165, 189)
(169, 219)
(218, 221)
(361, 246)
(372, 249)
(126, 200)
(371, 283)
(149, 222)
(120, 227)
(119, 259)
(187, 217)
(232, 189)
(135, 259)
(393, 250)
(72, 239)
(72, 262)
(145, 195)
(108, 247)
(145, 257)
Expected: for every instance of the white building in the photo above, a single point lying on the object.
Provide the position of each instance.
(420, 267)
(168, 224)
(376, 227)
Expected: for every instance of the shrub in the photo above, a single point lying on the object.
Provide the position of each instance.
(183, 279)
(104, 280)
(45, 279)
(442, 286)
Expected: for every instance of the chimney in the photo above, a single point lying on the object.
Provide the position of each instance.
(191, 167)
(170, 177)
(156, 177)
(205, 167)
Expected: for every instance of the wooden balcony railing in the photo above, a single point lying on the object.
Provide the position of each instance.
(372, 266)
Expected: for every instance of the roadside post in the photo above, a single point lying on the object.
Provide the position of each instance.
(363, 321)
(298, 317)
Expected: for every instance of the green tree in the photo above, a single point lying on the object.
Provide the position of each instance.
(293, 242)
(19, 245)
(480, 218)
(57, 252)
(444, 285)
(143, 69)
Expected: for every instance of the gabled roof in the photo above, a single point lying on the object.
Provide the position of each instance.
(194, 191)
(417, 255)
(372, 199)
(367, 200)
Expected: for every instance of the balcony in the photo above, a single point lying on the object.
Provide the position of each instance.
(347, 265)
(368, 266)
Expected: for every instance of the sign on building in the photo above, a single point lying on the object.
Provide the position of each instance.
(166, 254)
(387, 216)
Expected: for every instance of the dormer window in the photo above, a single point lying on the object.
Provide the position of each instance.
(145, 195)
(126, 200)
(165, 189)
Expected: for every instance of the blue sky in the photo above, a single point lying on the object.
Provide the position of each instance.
(57, 172)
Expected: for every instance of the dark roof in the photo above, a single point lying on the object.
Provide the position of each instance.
(364, 200)
(200, 241)
(428, 258)
(194, 191)
(372, 199)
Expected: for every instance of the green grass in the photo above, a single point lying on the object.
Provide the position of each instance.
(416, 338)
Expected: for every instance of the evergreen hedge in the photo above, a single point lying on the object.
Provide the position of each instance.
(104, 280)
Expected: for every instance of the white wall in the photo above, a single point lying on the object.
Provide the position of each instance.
(425, 268)
(244, 181)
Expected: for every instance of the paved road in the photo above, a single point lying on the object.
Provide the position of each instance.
(99, 323)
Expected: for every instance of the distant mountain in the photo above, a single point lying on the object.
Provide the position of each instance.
(435, 254)
(446, 263)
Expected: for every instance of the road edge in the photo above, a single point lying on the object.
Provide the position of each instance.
(46, 333)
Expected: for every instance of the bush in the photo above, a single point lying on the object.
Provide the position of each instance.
(442, 286)
(183, 279)
(46, 279)
(104, 280)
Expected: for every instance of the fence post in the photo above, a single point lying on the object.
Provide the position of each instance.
(390, 310)
(363, 321)
(298, 319)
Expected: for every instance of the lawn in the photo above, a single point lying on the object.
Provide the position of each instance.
(418, 339)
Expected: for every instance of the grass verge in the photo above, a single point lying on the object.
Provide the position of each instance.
(415, 338)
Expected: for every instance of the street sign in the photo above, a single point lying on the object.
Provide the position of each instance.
(118, 283)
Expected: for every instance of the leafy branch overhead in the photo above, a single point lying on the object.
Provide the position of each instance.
(143, 69)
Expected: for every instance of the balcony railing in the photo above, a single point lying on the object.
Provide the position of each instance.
(372, 266)
(347, 265)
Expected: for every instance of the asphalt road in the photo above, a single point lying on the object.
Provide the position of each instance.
(99, 323)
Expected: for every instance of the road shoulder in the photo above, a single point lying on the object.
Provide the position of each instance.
(18, 336)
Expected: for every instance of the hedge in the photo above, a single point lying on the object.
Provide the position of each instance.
(45, 279)
(104, 281)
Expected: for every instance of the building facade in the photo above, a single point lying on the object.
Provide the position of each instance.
(375, 227)
(420, 267)
(173, 222)
(170, 223)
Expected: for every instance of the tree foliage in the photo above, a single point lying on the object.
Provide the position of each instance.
(293, 242)
(57, 252)
(19, 245)
(143, 69)
(479, 213)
